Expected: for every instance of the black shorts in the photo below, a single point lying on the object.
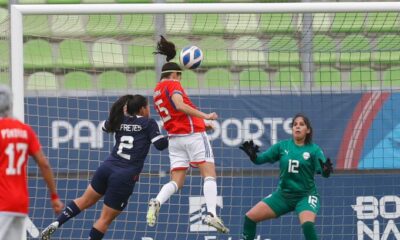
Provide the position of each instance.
(115, 183)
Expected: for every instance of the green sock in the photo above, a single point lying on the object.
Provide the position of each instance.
(249, 229)
(309, 231)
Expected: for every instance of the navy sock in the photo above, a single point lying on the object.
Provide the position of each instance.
(70, 211)
(95, 234)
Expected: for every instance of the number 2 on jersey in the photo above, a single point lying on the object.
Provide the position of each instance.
(164, 113)
(126, 143)
(10, 152)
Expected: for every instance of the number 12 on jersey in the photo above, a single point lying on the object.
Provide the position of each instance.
(293, 166)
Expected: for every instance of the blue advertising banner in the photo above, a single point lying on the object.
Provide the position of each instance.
(70, 128)
(355, 130)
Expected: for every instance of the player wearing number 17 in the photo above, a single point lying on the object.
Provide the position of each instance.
(299, 159)
(17, 141)
(115, 178)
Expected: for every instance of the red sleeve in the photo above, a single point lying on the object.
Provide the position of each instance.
(34, 144)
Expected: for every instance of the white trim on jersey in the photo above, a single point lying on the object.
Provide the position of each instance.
(191, 124)
(155, 139)
(104, 126)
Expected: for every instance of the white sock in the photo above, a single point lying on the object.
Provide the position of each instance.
(167, 191)
(210, 194)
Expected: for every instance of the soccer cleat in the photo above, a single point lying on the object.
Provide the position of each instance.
(47, 232)
(215, 222)
(152, 212)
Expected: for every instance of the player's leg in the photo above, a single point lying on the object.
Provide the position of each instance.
(201, 156)
(17, 229)
(270, 207)
(307, 209)
(207, 170)
(100, 227)
(6, 221)
(93, 193)
(89, 197)
(120, 185)
(179, 163)
(176, 183)
(261, 211)
(12, 227)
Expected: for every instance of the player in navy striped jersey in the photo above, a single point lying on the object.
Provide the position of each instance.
(117, 175)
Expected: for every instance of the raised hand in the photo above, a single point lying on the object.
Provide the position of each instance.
(250, 149)
(327, 167)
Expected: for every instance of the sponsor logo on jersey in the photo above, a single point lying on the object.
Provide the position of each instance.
(287, 152)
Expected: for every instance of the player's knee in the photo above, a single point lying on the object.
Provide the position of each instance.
(210, 179)
(250, 216)
(208, 170)
(177, 185)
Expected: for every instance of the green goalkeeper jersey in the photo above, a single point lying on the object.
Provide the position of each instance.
(297, 164)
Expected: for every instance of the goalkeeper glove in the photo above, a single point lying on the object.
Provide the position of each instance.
(250, 149)
(327, 167)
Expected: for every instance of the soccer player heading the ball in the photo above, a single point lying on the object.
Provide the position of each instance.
(17, 142)
(116, 177)
(188, 141)
(299, 159)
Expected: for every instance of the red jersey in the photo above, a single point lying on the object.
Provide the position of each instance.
(17, 141)
(175, 122)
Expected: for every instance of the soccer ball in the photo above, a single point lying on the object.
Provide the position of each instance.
(191, 57)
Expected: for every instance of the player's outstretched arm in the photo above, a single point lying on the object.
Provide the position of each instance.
(250, 149)
(161, 143)
(183, 107)
(47, 174)
(326, 167)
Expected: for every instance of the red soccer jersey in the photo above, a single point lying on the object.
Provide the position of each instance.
(175, 122)
(17, 141)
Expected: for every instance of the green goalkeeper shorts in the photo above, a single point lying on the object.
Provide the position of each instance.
(281, 205)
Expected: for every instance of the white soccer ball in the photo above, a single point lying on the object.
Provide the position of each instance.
(191, 57)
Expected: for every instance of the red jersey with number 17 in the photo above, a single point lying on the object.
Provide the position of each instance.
(17, 141)
(175, 122)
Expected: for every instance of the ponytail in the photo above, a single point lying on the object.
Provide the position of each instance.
(116, 115)
(132, 104)
(167, 48)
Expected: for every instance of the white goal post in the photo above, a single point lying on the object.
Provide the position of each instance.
(17, 12)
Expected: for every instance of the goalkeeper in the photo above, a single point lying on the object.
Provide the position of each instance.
(299, 159)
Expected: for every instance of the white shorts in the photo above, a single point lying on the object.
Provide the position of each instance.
(189, 150)
(12, 227)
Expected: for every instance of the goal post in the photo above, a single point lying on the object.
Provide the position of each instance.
(336, 62)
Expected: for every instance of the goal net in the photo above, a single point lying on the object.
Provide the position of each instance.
(260, 68)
